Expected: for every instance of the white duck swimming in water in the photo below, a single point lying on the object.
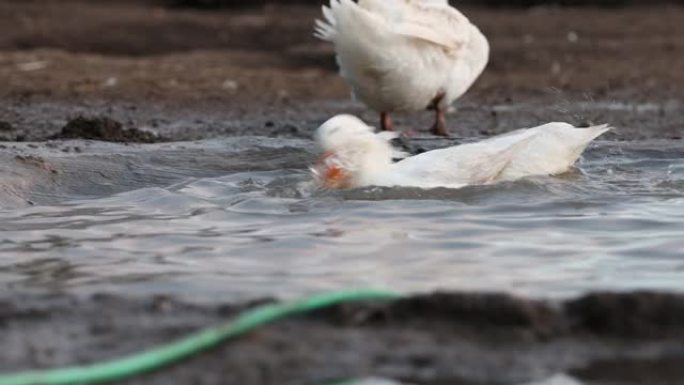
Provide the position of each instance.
(404, 55)
(355, 156)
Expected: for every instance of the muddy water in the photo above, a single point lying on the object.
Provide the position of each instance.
(239, 218)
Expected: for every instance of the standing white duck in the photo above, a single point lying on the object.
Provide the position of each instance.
(404, 55)
(355, 156)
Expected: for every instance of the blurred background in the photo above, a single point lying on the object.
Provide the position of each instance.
(187, 67)
(505, 3)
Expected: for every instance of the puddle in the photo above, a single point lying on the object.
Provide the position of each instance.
(238, 218)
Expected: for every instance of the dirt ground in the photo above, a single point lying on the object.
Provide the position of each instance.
(188, 74)
(139, 71)
(438, 339)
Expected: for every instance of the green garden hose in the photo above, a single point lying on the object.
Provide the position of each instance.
(165, 355)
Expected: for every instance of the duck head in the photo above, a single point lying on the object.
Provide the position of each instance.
(352, 153)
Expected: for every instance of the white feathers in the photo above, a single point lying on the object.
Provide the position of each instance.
(352, 145)
(399, 54)
(554, 148)
(325, 29)
(363, 158)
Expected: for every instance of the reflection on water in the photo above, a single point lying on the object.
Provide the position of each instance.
(617, 223)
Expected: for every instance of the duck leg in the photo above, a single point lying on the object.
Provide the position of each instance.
(439, 128)
(386, 122)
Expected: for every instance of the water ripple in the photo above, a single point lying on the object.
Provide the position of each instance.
(616, 223)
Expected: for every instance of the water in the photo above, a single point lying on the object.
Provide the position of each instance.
(238, 218)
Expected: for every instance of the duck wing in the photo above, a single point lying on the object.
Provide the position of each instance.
(468, 164)
(395, 53)
(433, 22)
(555, 148)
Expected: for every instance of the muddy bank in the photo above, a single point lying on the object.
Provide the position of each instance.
(446, 338)
(40, 120)
(188, 74)
(104, 129)
(64, 170)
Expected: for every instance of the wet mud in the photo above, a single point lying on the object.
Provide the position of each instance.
(187, 74)
(64, 170)
(104, 129)
(440, 338)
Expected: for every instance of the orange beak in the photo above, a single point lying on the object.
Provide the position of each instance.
(329, 174)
